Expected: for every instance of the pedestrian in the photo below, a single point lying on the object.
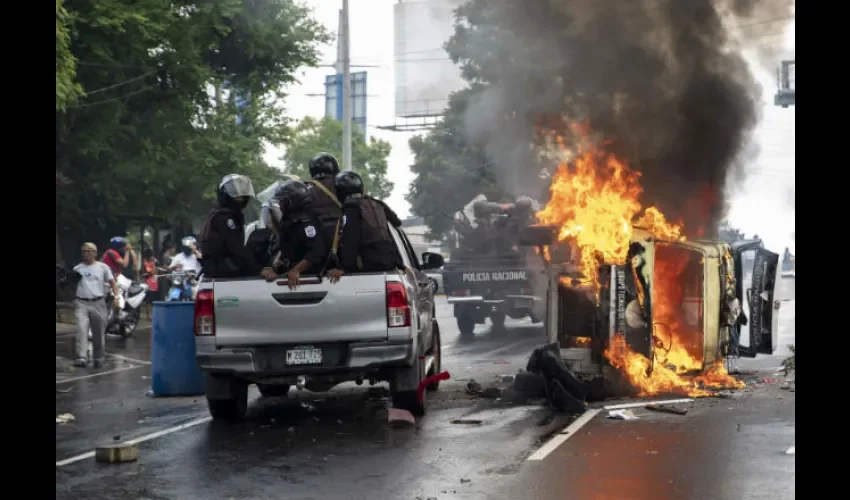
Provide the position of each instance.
(302, 244)
(367, 245)
(151, 269)
(90, 306)
(223, 236)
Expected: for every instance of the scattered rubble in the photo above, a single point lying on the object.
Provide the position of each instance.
(667, 409)
(622, 415)
(65, 418)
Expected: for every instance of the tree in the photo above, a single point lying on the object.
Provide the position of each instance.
(449, 170)
(149, 138)
(67, 89)
(312, 136)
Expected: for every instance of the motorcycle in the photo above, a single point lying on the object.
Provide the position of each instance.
(124, 319)
(182, 286)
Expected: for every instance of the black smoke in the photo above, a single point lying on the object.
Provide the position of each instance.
(665, 80)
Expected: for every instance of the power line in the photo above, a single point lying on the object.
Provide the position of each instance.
(120, 84)
(113, 99)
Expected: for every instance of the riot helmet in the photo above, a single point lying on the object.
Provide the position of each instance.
(323, 164)
(292, 196)
(234, 191)
(347, 183)
(270, 215)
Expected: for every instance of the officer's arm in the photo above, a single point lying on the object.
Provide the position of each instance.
(390, 214)
(350, 240)
(234, 245)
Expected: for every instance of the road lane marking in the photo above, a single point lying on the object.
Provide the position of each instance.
(142, 439)
(644, 403)
(99, 374)
(125, 358)
(561, 437)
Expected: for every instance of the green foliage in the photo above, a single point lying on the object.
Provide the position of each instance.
(449, 171)
(67, 89)
(149, 139)
(313, 136)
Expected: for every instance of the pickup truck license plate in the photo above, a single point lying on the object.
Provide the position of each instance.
(304, 356)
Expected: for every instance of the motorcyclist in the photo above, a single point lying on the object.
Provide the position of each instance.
(223, 236)
(367, 245)
(189, 257)
(302, 245)
(118, 255)
(324, 202)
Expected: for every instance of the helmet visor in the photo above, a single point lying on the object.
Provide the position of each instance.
(237, 186)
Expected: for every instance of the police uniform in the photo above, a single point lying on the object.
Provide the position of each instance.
(326, 209)
(223, 246)
(301, 240)
(367, 245)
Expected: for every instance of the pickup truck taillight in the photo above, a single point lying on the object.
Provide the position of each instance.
(204, 313)
(398, 312)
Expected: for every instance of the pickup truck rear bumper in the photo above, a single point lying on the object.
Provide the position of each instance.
(268, 360)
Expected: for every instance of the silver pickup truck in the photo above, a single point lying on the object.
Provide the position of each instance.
(369, 326)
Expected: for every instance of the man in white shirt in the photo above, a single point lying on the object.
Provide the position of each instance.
(188, 259)
(91, 308)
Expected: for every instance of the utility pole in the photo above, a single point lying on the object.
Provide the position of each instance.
(346, 88)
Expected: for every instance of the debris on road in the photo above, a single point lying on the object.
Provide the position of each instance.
(467, 421)
(622, 415)
(667, 409)
(65, 418)
(114, 453)
(400, 418)
(563, 390)
(644, 403)
(64, 391)
(791, 451)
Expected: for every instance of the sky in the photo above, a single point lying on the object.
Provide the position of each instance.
(762, 204)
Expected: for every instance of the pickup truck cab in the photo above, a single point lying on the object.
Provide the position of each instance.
(367, 326)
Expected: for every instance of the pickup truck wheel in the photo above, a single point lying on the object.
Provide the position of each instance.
(233, 408)
(273, 390)
(437, 353)
(403, 388)
(466, 325)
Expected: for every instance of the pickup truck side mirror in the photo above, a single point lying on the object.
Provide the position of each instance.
(432, 260)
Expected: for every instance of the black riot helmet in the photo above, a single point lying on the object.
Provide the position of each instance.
(323, 164)
(234, 191)
(292, 196)
(347, 183)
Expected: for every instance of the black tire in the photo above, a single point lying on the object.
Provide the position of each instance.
(273, 390)
(498, 320)
(128, 328)
(233, 409)
(437, 352)
(535, 319)
(407, 399)
(466, 325)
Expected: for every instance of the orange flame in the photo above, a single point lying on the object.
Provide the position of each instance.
(594, 202)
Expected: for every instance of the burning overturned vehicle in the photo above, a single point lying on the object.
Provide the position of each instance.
(632, 306)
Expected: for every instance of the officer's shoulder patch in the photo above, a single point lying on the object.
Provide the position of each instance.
(310, 231)
(231, 224)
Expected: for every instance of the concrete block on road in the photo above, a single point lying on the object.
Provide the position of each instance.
(114, 453)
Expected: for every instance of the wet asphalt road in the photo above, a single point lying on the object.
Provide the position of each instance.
(338, 445)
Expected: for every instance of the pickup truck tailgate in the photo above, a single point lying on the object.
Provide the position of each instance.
(256, 312)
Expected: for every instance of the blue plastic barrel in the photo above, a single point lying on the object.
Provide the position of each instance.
(174, 369)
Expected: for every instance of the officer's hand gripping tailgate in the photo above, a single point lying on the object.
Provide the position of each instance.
(256, 312)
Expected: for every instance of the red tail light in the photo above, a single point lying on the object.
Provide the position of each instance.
(398, 311)
(461, 293)
(205, 313)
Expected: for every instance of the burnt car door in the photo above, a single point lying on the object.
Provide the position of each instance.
(756, 274)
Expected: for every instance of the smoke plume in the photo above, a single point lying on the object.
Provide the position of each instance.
(663, 79)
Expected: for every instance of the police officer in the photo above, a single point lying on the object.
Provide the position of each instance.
(302, 245)
(324, 202)
(223, 236)
(367, 245)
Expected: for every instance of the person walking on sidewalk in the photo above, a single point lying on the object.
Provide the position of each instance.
(91, 309)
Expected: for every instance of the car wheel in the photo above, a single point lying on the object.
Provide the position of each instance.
(234, 408)
(466, 325)
(437, 353)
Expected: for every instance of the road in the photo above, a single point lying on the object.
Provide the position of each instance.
(337, 445)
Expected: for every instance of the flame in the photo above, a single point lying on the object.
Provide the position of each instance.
(594, 202)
